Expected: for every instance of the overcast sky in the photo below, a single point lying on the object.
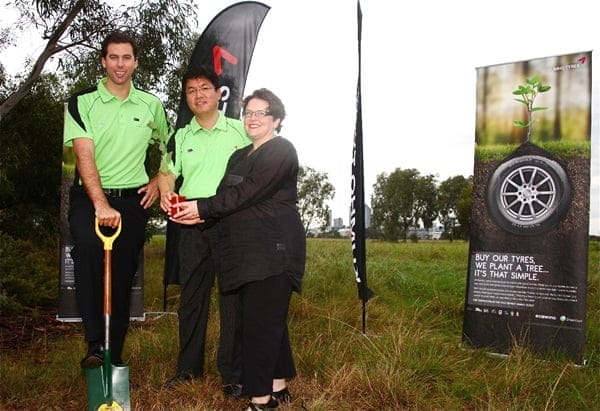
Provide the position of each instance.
(419, 63)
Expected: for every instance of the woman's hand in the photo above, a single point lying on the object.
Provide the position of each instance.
(188, 213)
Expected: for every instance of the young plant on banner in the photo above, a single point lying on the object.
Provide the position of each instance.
(528, 93)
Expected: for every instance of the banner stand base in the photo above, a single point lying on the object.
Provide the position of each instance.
(78, 319)
(505, 356)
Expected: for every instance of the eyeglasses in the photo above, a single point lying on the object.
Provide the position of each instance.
(257, 113)
(202, 90)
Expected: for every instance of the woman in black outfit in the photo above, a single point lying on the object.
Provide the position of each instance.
(261, 246)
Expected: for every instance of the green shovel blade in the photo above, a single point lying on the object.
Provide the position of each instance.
(99, 394)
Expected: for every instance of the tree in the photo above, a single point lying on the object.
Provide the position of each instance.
(173, 87)
(384, 218)
(314, 189)
(30, 154)
(30, 158)
(426, 200)
(4, 41)
(463, 210)
(385, 215)
(74, 30)
(401, 200)
(449, 194)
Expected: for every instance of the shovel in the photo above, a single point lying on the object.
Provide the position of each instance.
(108, 385)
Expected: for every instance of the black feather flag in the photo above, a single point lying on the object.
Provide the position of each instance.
(227, 45)
(357, 207)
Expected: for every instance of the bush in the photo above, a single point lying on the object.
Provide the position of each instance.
(29, 274)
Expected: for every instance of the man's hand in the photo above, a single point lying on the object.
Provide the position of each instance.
(166, 186)
(108, 216)
(150, 191)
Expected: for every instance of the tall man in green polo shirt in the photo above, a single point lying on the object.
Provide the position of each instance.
(110, 127)
(199, 153)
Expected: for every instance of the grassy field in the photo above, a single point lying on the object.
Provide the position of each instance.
(410, 358)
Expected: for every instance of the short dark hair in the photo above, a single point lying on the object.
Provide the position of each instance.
(276, 107)
(118, 37)
(201, 71)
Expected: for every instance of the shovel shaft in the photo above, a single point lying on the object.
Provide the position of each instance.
(108, 385)
(107, 310)
(107, 282)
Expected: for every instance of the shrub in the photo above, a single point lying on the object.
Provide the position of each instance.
(29, 274)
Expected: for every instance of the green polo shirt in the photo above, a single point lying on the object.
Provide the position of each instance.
(121, 131)
(201, 155)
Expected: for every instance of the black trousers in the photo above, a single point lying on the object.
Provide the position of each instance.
(266, 349)
(196, 279)
(88, 259)
(229, 354)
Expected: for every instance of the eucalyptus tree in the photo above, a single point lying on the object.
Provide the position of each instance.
(449, 195)
(4, 42)
(314, 189)
(464, 210)
(30, 158)
(426, 200)
(73, 30)
(400, 200)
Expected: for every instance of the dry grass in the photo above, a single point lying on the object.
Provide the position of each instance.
(411, 357)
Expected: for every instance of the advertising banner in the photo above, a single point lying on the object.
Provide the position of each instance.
(528, 252)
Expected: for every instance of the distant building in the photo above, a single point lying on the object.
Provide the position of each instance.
(345, 232)
(367, 216)
(434, 233)
(338, 223)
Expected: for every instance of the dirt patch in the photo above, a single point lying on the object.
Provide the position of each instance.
(30, 329)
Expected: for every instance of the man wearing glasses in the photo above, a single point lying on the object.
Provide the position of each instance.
(199, 153)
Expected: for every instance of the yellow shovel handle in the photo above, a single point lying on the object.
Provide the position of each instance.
(107, 240)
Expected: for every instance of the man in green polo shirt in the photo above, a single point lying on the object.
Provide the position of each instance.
(110, 127)
(199, 153)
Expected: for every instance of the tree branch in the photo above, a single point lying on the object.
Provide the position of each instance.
(50, 49)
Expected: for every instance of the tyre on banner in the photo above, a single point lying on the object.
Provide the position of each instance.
(528, 195)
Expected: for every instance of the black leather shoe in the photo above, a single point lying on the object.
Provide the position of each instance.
(92, 361)
(232, 390)
(93, 358)
(176, 380)
(283, 396)
(271, 405)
